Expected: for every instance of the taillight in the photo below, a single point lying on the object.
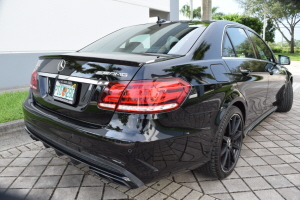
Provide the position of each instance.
(144, 96)
(33, 81)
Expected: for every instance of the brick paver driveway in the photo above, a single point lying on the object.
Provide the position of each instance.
(269, 168)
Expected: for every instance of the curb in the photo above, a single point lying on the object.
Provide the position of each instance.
(14, 89)
(11, 129)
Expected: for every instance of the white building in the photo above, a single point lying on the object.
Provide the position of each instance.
(68, 25)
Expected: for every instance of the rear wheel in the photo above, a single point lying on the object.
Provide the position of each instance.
(286, 98)
(227, 146)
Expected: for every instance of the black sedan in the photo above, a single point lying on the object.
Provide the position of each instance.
(151, 100)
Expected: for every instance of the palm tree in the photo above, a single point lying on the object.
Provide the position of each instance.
(185, 10)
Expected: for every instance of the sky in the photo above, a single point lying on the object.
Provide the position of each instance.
(230, 7)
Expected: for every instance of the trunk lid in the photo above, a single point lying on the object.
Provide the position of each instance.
(85, 75)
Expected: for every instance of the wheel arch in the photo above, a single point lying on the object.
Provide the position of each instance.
(242, 108)
(238, 101)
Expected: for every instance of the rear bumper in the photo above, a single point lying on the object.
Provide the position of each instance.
(103, 168)
(131, 164)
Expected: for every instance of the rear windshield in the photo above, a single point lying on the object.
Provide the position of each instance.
(169, 38)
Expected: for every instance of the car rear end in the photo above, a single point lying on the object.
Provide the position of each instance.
(62, 112)
(87, 105)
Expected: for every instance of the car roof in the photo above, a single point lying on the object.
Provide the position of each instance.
(212, 22)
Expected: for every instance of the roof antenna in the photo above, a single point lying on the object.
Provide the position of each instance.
(160, 21)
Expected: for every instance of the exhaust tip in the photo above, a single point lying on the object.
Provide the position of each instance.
(123, 181)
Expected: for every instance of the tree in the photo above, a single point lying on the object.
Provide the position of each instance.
(297, 43)
(252, 22)
(270, 31)
(284, 13)
(185, 10)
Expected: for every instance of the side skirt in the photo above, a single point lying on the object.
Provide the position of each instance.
(249, 128)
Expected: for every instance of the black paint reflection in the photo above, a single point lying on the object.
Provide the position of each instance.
(191, 72)
(201, 50)
(253, 86)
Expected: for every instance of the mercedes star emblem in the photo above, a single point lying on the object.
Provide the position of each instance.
(61, 65)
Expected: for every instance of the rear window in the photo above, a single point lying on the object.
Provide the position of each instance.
(169, 38)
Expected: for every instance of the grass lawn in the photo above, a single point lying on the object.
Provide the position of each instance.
(293, 56)
(11, 105)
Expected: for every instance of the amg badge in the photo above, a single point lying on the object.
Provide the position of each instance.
(117, 74)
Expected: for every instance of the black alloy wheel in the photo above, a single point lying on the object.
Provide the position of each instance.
(232, 143)
(227, 145)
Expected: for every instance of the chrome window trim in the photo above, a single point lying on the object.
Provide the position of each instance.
(224, 32)
(73, 78)
(245, 58)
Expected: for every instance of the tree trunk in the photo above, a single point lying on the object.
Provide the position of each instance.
(292, 40)
(206, 14)
(191, 10)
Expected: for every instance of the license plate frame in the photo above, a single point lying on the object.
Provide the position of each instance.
(65, 91)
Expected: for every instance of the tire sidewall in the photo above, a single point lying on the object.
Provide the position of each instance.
(220, 133)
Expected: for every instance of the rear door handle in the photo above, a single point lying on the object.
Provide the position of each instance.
(245, 71)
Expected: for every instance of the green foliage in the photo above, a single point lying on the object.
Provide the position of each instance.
(197, 13)
(252, 22)
(11, 106)
(279, 49)
(283, 13)
(276, 50)
(270, 31)
(185, 10)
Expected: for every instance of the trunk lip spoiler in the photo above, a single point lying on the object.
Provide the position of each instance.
(109, 60)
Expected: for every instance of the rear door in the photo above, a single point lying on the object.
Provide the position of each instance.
(249, 72)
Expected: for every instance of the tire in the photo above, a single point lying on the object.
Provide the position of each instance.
(286, 98)
(227, 147)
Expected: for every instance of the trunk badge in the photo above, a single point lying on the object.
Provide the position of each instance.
(116, 74)
(61, 65)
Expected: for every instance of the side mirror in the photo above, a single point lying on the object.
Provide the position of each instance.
(284, 60)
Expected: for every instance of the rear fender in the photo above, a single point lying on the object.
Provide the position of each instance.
(235, 98)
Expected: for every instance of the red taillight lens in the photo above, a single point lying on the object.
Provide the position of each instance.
(144, 96)
(111, 95)
(33, 81)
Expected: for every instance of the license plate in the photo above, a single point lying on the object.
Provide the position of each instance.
(65, 91)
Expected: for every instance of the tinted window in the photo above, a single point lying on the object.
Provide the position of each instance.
(241, 43)
(264, 52)
(227, 48)
(169, 38)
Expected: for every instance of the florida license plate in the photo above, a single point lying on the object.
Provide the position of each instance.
(65, 91)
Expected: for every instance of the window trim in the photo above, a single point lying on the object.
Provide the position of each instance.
(226, 34)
